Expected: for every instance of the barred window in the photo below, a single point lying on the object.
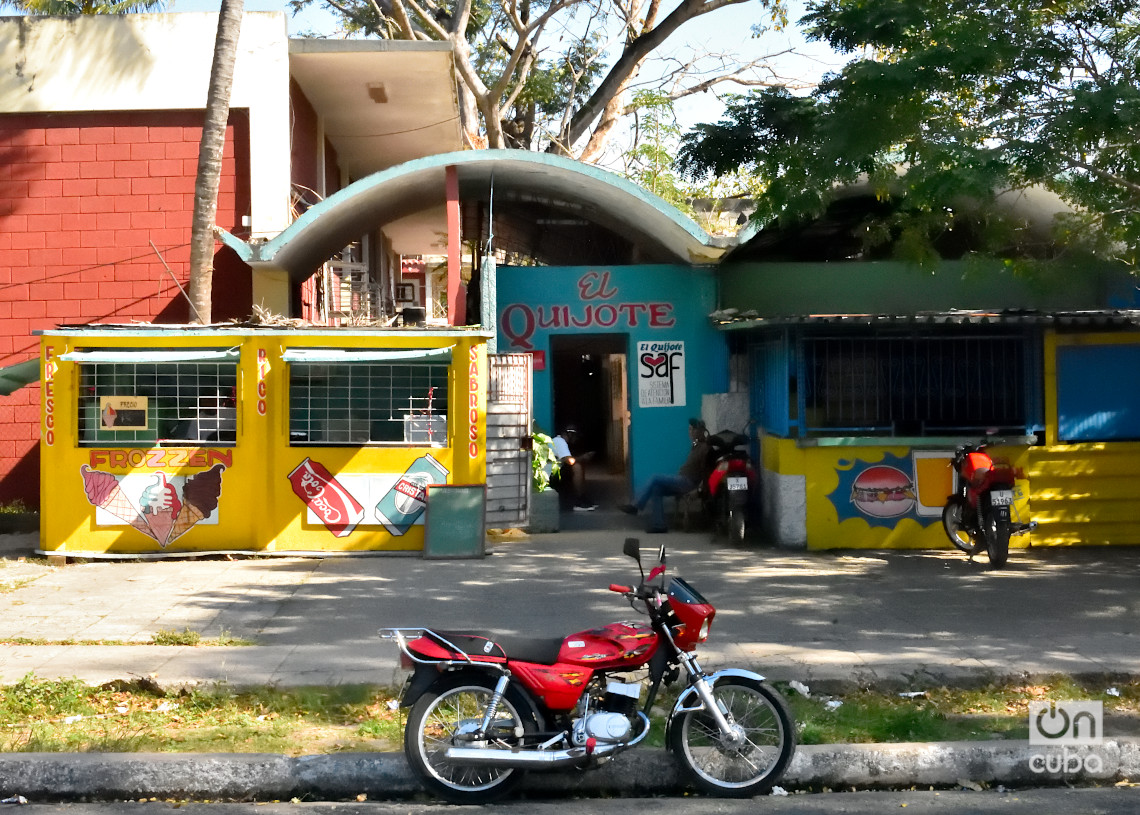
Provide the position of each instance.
(399, 403)
(184, 397)
(914, 385)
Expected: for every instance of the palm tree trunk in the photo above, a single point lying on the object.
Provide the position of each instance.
(210, 161)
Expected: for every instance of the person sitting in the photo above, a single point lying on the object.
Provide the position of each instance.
(687, 479)
(571, 468)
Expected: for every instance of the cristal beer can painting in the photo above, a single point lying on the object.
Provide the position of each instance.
(326, 497)
(402, 505)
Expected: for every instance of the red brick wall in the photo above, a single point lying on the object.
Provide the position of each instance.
(305, 141)
(81, 198)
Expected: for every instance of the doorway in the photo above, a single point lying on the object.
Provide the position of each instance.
(589, 387)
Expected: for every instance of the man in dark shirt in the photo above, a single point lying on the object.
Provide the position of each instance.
(686, 480)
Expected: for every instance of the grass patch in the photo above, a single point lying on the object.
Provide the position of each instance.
(70, 716)
(171, 637)
(996, 710)
(8, 586)
(162, 637)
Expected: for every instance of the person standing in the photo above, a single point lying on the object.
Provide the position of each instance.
(572, 468)
(687, 479)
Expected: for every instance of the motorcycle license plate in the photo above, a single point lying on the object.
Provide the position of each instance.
(736, 482)
(1001, 498)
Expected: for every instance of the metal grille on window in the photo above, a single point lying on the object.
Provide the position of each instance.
(908, 385)
(142, 404)
(368, 403)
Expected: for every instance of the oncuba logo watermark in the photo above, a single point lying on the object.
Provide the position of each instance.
(1065, 725)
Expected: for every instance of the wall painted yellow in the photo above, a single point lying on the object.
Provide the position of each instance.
(1089, 493)
(258, 509)
(849, 505)
(1079, 494)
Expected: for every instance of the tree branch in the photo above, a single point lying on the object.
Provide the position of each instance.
(632, 57)
(1116, 180)
(427, 18)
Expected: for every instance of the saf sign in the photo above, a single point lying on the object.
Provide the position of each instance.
(660, 374)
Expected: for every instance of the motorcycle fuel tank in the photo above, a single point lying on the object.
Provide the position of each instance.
(615, 645)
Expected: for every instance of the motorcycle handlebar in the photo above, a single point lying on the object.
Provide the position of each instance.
(620, 589)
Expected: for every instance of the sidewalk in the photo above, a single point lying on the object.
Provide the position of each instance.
(911, 617)
(846, 615)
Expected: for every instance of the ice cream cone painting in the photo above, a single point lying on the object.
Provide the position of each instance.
(104, 492)
(156, 508)
(200, 496)
(159, 506)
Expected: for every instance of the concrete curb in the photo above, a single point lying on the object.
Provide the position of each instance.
(113, 776)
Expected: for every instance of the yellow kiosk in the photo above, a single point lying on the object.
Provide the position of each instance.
(176, 440)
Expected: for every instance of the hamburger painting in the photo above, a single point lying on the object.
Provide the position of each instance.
(883, 492)
(880, 492)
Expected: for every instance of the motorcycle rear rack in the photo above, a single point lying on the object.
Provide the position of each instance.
(403, 636)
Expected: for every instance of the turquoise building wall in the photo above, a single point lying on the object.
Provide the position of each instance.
(661, 304)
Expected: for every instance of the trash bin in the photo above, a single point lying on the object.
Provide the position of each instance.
(455, 521)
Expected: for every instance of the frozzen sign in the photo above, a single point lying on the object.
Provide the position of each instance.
(660, 374)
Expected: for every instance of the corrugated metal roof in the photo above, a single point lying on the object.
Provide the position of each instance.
(1105, 318)
(251, 329)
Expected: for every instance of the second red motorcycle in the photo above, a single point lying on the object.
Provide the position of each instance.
(978, 516)
(730, 483)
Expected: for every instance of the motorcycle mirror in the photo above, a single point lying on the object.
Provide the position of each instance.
(632, 548)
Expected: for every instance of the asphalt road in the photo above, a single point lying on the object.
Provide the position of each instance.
(1057, 801)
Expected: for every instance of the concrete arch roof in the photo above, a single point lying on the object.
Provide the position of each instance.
(383, 197)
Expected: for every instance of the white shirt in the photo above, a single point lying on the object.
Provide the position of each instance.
(561, 448)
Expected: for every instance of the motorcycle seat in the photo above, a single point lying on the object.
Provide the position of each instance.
(476, 644)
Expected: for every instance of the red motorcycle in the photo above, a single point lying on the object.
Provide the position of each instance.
(977, 516)
(730, 482)
(484, 708)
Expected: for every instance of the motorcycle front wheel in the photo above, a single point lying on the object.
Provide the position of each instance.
(448, 715)
(954, 523)
(752, 757)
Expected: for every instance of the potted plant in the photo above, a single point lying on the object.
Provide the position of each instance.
(543, 499)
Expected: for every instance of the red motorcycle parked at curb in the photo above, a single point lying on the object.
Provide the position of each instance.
(977, 516)
(484, 709)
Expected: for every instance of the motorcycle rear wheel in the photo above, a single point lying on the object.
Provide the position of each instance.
(439, 719)
(996, 531)
(758, 751)
(954, 524)
(736, 524)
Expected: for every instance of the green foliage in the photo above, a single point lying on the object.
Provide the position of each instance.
(170, 637)
(953, 98)
(73, 7)
(651, 159)
(544, 464)
(16, 507)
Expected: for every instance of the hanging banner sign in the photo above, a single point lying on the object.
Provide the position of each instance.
(660, 374)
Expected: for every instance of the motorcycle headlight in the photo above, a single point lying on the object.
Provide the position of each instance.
(703, 634)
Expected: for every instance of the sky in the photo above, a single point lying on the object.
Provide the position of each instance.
(726, 30)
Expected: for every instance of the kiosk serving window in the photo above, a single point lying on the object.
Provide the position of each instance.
(139, 398)
(910, 384)
(348, 397)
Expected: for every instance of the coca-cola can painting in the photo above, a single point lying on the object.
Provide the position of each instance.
(326, 497)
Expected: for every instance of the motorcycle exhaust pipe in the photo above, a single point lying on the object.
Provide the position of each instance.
(541, 759)
(527, 759)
